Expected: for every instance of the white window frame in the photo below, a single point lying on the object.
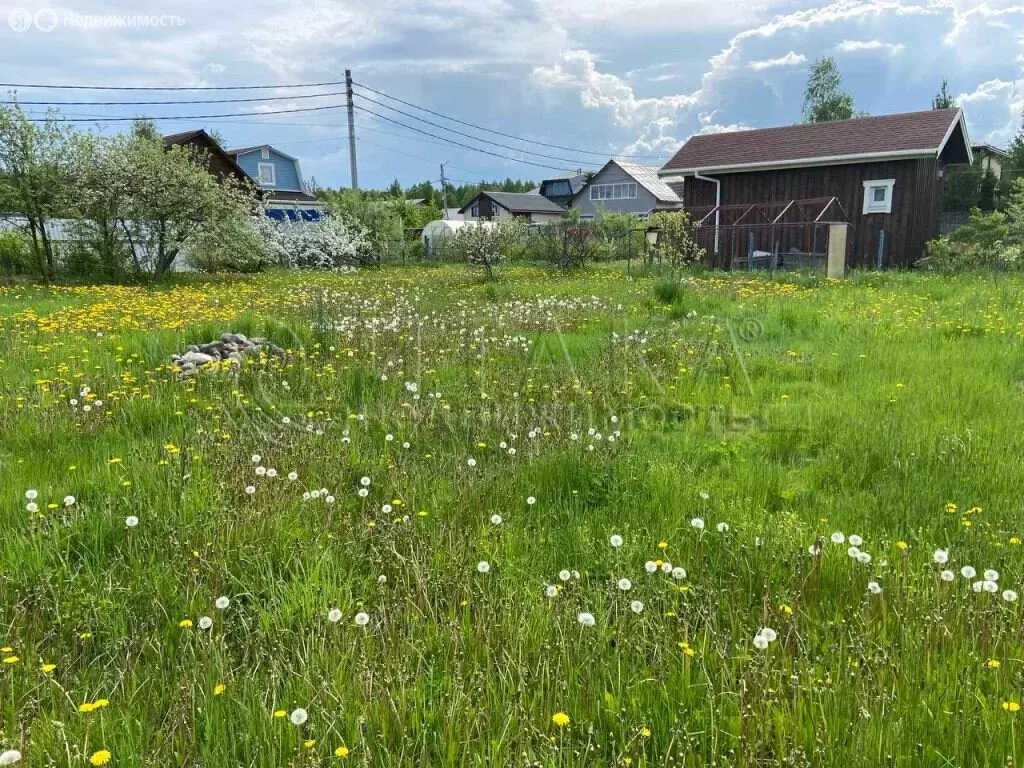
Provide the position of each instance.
(264, 153)
(260, 167)
(597, 194)
(873, 206)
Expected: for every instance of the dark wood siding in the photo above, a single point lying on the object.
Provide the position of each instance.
(916, 204)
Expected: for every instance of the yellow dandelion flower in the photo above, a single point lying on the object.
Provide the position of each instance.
(1011, 706)
(11, 659)
(48, 668)
(6, 649)
(1014, 540)
(85, 635)
(309, 743)
(341, 752)
(645, 732)
(560, 719)
(100, 704)
(786, 609)
(993, 664)
(86, 707)
(280, 714)
(902, 546)
(219, 688)
(100, 758)
(185, 623)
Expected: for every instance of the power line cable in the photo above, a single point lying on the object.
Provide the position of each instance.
(457, 143)
(500, 133)
(184, 117)
(477, 138)
(161, 103)
(169, 87)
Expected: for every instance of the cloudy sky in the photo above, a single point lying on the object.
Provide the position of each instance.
(595, 77)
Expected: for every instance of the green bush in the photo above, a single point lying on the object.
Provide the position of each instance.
(15, 253)
(668, 290)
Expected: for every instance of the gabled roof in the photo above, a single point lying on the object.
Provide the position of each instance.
(202, 138)
(576, 182)
(518, 202)
(983, 147)
(245, 150)
(862, 139)
(647, 177)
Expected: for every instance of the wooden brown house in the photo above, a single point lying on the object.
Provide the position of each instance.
(884, 175)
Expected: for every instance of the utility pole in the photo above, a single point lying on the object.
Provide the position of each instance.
(444, 196)
(351, 129)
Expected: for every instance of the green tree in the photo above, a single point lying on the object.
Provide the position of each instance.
(1014, 167)
(825, 99)
(36, 164)
(943, 99)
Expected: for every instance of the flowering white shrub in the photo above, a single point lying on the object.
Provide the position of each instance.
(331, 243)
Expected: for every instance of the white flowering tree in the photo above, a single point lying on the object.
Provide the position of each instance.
(331, 243)
(483, 244)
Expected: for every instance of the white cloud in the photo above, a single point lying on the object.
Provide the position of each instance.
(870, 46)
(791, 59)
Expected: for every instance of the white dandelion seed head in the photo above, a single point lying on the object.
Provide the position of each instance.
(760, 642)
(334, 615)
(636, 606)
(286, 420)
(131, 521)
(222, 602)
(69, 501)
(250, 489)
(386, 509)
(991, 575)
(261, 471)
(1009, 596)
(329, 500)
(564, 575)
(863, 557)
(940, 556)
(576, 575)
(874, 588)
(722, 527)
(968, 572)
(704, 495)
(615, 541)
(271, 472)
(406, 445)
(382, 579)
(32, 507)
(666, 567)
(768, 634)
(990, 586)
(697, 523)
(838, 537)
(651, 567)
(586, 619)
(531, 500)
(362, 619)
(853, 552)
(363, 493)
(625, 585)
(471, 462)
(306, 496)
(483, 567)
(495, 519)
(978, 586)
(298, 716)
(550, 591)
(678, 573)
(256, 458)
(10, 757)
(293, 476)
(31, 494)
(856, 540)
(814, 550)
(205, 622)
(364, 481)
(947, 575)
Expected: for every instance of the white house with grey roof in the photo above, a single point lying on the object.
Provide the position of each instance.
(625, 188)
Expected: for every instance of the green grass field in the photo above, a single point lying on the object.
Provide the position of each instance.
(469, 608)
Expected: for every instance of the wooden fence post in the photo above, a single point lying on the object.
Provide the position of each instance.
(837, 250)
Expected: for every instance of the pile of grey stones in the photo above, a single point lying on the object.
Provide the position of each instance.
(231, 346)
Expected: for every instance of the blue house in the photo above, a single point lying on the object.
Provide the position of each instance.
(279, 176)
